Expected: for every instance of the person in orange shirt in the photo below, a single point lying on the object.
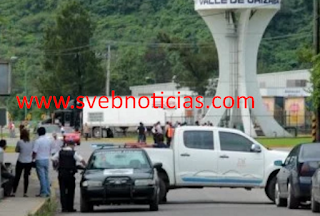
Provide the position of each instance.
(170, 134)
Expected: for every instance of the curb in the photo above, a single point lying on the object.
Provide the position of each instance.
(53, 196)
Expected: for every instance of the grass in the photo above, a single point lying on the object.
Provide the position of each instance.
(283, 142)
(268, 142)
(10, 149)
(49, 208)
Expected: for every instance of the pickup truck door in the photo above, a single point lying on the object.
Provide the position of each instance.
(237, 164)
(196, 158)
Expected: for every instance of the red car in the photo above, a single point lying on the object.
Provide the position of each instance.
(71, 134)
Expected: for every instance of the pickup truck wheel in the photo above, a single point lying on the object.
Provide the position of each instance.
(270, 189)
(293, 202)
(315, 206)
(85, 206)
(163, 191)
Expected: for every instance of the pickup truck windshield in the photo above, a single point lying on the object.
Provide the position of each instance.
(119, 160)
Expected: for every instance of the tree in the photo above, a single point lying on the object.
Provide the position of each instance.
(70, 67)
(315, 80)
(200, 63)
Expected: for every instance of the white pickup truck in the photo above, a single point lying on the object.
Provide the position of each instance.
(216, 157)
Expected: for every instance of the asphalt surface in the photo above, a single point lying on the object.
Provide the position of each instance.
(200, 202)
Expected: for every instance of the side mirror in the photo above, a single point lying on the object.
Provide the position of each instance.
(278, 163)
(255, 148)
(157, 165)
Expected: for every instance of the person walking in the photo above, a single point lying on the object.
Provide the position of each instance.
(24, 163)
(141, 133)
(66, 160)
(86, 131)
(41, 154)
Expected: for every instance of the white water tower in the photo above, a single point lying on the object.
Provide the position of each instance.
(237, 27)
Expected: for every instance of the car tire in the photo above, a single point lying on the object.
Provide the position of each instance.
(292, 201)
(315, 206)
(154, 205)
(270, 189)
(85, 206)
(280, 202)
(163, 191)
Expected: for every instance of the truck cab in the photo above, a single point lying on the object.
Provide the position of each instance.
(216, 157)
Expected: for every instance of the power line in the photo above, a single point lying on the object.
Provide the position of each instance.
(65, 52)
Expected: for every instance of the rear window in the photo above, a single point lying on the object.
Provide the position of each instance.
(125, 159)
(310, 152)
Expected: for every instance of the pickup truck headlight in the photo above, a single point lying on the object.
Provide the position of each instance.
(144, 182)
(92, 184)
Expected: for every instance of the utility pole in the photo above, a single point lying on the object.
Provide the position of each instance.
(316, 50)
(108, 71)
(79, 74)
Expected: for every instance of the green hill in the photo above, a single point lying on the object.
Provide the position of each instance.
(133, 26)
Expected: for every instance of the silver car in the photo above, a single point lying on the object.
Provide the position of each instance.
(50, 130)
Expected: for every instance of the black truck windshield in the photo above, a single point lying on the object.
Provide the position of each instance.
(119, 159)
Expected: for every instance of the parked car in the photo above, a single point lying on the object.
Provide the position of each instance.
(294, 179)
(315, 191)
(72, 134)
(202, 157)
(119, 175)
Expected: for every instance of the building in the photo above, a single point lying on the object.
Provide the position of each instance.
(148, 90)
(277, 84)
(284, 95)
(285, 84)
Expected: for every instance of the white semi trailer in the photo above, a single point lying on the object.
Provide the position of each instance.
(102, 114)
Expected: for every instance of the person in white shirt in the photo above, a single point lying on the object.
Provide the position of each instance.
(56, 144)
(41, 154)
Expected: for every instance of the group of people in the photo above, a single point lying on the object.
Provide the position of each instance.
(38, 154)
(159, 134)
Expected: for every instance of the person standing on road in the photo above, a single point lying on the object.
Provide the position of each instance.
(66, 161)
(160, 143)
(166, 130)
(170, 134)
(154, 133)
(159, 130)
(41, 155)
(142, 133)
(24, 163)
(86, 131)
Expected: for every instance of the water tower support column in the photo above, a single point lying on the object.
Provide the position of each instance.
(237, 39)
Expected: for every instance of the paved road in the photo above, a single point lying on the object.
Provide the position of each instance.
(203, 202)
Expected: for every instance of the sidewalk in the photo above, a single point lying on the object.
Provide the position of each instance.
(19, 205)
